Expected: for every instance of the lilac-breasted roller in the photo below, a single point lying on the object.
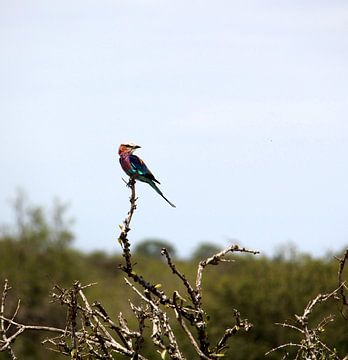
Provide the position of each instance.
(136, 168)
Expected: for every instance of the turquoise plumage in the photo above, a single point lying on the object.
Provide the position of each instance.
(136, 168)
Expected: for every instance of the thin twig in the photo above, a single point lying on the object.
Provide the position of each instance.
(283, 346)
(160, 317)
(175, 271)
(7, 341)
(341, 282)
(214, 260)
(190, 336)
(311, 346)
(240, 324)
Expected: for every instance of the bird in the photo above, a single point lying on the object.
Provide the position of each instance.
(135, 168)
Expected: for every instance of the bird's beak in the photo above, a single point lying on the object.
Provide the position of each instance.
(136, 147)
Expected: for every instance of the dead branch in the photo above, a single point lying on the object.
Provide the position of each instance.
(214, 260)
(161, 326)
(192, 312)
(311, 347)
(341, 283)
(90, 333)
(85, 329)
(240, 324)
(5, 343)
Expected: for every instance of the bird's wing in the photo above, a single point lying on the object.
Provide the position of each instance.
(138, 167)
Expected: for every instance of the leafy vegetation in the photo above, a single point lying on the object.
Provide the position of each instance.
(37, 254)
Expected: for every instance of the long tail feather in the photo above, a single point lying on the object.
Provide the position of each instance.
(155, 187)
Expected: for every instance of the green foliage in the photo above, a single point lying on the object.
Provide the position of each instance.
(37, 254)
(152, 248)
(205, 250)
(34, 256)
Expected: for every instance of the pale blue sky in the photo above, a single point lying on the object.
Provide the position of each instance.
(240, 108)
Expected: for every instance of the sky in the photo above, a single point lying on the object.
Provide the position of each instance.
(240, 108)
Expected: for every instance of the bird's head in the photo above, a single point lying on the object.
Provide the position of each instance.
(127, 148)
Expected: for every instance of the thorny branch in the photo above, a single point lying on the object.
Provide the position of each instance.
(5, 342)
(123, 240)
(193, 313)
(214, 260)
(91, 333)
(88, 331)
(311, 346)
(240, 324)
(161, 326)
(7, 323)
(341, 283)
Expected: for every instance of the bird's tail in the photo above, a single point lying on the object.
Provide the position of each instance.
(155, 187)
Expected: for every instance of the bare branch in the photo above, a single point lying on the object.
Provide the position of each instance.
(191, 291)
(283, 346)
(214, 260)
(311, 347)
(240, 324)
(126, 225)
(160, 320)
(90, 332)
(341, 282)
(190, 336)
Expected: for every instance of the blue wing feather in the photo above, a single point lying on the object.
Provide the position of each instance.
(139, 168)
(136, 167)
